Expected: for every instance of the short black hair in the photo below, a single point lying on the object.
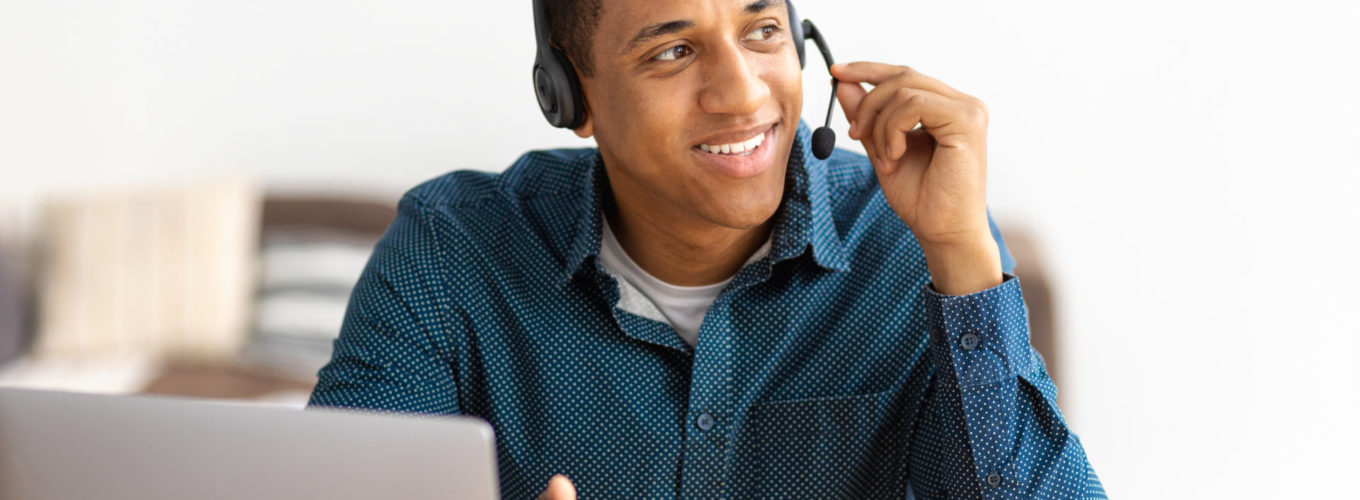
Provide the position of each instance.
(571, 28)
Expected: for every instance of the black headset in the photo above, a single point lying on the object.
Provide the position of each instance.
(559, 89)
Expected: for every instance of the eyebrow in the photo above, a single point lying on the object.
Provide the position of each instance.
(654, 31)
(658, 30)
(758, 6)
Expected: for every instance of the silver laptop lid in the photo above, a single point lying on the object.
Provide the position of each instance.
(76, 446)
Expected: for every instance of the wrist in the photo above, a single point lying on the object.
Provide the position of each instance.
(964, 267)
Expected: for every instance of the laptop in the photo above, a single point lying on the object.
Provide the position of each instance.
(70, 446)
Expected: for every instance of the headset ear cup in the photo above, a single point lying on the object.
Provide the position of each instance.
(543, 90)
(558, 90)
(796, 30)
(568, 88)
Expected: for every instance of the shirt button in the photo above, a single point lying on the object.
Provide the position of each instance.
(993, 479)
(705, 421)
(969, 341)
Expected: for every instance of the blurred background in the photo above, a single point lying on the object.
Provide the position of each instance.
(189, 189)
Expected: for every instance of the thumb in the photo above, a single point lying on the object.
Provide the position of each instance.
(559, 488)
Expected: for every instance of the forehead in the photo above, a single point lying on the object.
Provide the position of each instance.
(621, 20)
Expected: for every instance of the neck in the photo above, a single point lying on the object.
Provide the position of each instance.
(681, 250)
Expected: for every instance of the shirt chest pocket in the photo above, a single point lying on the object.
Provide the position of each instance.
(820, 447)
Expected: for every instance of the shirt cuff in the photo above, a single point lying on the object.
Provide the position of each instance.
(982, 337)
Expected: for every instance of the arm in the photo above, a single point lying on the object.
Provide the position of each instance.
(394, 352)
(991, 427)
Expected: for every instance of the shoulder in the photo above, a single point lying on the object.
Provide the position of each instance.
(498, 219)
(535, 174)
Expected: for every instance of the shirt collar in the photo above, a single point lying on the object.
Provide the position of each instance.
(804, 219)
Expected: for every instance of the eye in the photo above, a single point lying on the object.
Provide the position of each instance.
(763, 33)
(674, 53)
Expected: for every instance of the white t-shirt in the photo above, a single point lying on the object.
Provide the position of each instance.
(683, 307)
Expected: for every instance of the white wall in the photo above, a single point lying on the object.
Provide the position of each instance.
(1190, 169)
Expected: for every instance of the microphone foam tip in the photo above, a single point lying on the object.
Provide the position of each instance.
(823, 141)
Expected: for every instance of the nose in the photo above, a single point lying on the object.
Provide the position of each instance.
(732, 85)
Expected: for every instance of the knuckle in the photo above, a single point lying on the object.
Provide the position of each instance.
(979, 103)
(904, 77)
(914, 99)
(978, 112)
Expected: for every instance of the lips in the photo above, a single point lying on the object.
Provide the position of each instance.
(734, 136)
(739, 156)
(738, 147)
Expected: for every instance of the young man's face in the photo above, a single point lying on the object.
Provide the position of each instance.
(673, 78)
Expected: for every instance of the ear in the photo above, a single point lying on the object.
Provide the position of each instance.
(587, 127)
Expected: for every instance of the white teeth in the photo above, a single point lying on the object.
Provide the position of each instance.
(734, 148)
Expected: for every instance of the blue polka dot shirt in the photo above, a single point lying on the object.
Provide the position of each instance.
(827, 369)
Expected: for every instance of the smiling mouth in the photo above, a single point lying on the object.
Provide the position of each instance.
(740, 148)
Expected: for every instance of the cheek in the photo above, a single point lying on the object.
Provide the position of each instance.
(785, 80)
(641, 116)
(793, 98)
(793, 83)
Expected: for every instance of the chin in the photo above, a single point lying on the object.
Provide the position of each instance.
(755, 204)
(750, 214)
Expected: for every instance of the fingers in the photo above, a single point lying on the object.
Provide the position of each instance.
(886, 121)
(882, 120)
(865, 72)
(900, 100)
(850, 95)
(885, 96)
(895, 125)
(878, 74)
(885, 131)
(559, 488)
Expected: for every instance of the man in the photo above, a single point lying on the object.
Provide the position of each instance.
(700, 308)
